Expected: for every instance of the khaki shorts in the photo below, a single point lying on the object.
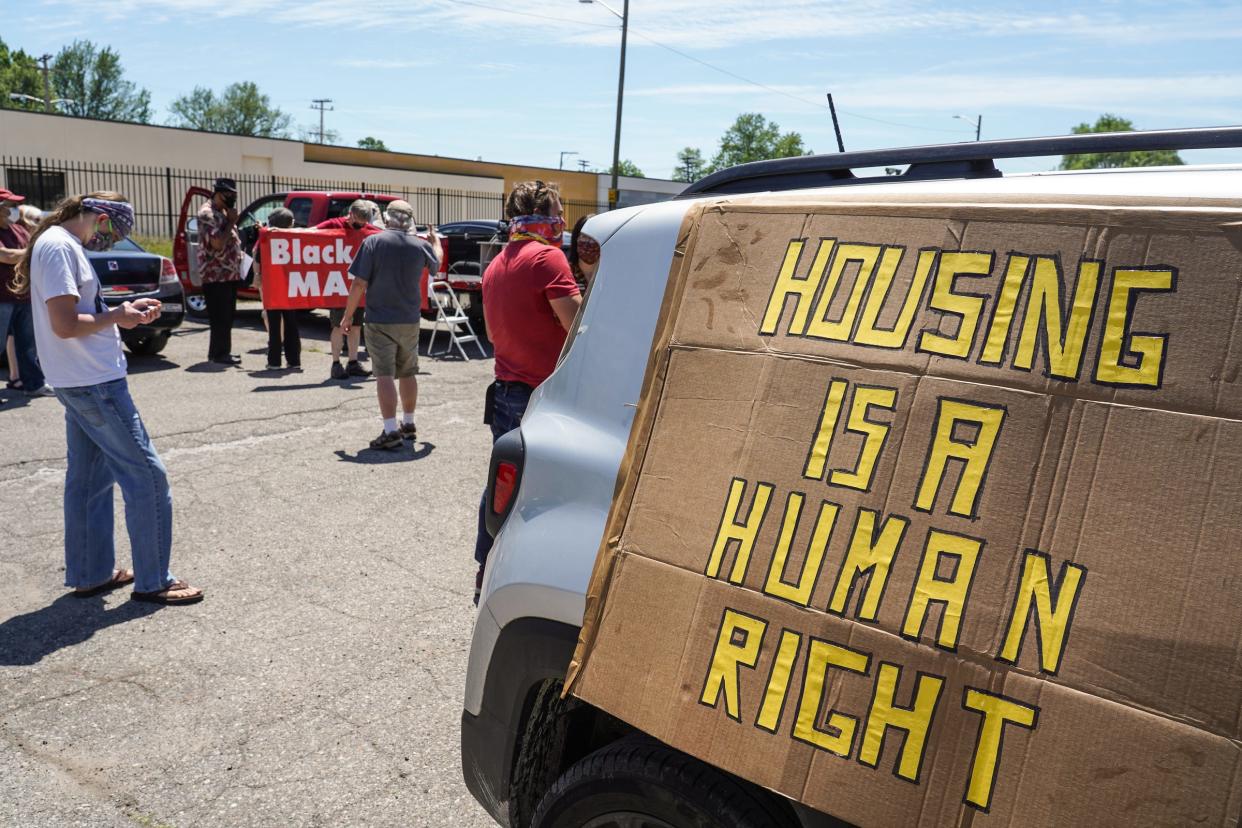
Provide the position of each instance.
(393, 349)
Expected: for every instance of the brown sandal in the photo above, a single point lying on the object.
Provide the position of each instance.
(120, 577)
(165, 596)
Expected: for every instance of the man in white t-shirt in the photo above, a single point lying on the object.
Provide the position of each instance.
(80, 351)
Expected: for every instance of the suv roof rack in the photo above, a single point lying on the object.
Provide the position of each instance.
(969, 159)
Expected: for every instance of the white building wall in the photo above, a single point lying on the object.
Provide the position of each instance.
(637, 190)
(155, 165)
(59, 138)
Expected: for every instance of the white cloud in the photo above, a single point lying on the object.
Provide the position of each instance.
(917, 93)
(706, 24)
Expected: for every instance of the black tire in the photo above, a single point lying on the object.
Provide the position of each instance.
(641, 783)
(477, 323)
(147, 344)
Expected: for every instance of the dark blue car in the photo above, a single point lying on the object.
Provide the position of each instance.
(127, 272)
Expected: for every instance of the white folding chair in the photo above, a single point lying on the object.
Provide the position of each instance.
(451, 315)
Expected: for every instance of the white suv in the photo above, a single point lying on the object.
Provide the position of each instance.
(533, 758)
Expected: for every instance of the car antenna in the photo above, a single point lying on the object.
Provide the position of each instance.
(836, 125)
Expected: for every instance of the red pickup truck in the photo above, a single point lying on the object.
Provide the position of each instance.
(309, 208)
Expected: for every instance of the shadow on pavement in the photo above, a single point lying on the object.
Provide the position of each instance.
(14, 399)
(149, 364)
(376, 457)
(206, 367)
(303, 386)
(69, 620)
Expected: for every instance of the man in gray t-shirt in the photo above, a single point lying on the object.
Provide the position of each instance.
(388, 270)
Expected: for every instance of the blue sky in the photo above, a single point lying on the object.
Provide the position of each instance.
(520, 82)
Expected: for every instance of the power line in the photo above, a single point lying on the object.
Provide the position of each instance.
(789, 95)
(534, 14)
(702, 62)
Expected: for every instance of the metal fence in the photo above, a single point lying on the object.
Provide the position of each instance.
(157, 192)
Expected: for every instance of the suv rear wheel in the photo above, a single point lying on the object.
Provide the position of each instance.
(640, 783)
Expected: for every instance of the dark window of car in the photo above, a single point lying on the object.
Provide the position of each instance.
(261, 211)
(338, 207)
(301, 208)
(43, 192)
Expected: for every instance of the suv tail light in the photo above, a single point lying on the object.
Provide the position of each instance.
(168, 272)
(503, 486)
(503, 479)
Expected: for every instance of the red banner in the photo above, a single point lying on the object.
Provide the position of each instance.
(304, 269)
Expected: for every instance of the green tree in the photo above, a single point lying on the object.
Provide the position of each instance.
(19, 74)
(94, 86)
(690, 165)
(1104, 160)
(754, 138)
(370, 143)
(241, 109)
(626, 167)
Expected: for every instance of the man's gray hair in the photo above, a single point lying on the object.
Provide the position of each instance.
(363, 209)
(397, 220)
(399, 215)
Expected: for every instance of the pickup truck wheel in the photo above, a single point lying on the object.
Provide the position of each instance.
(196, 305)
(640, 783)
(477, 322)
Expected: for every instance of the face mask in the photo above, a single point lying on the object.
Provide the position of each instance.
(101, 240)
(230, 199)
(356, 225)
(15, 215)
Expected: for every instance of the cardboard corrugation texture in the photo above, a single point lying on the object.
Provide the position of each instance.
(1060, 587)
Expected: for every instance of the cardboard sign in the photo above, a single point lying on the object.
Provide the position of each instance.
(305, 269)
(931, 511)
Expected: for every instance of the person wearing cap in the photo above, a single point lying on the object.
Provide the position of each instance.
(387, 270)
(15, 316)
(108, 445)
(219, 266)
(357, 227)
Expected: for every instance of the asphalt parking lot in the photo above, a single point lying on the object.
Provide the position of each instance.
(320, 682)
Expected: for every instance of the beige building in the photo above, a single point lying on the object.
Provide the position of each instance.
(47, 156)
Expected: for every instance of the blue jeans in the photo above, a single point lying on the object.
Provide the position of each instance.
(508, 408)
(109, 445)
(17, 319)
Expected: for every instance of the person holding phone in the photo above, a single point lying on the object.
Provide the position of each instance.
(80, 352)
(219, 265)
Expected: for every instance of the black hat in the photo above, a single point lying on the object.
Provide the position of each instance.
(225, 185)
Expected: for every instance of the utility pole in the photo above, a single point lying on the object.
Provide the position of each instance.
(47, 86)
(978, 120)
(613, 192)
(624, 17)
(322, 105)
(583, 164)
